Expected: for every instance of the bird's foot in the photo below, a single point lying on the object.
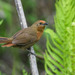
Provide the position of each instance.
(31, 53)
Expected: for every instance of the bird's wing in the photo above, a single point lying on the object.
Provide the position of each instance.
(24, 37)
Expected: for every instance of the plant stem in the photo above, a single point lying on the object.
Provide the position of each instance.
(23, 23)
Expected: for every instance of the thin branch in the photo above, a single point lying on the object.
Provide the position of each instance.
(40, 57)
(21, 13)
(23, 23)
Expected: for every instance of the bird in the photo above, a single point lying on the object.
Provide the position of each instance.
(26, 37)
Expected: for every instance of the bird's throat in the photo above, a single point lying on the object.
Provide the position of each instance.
(41, 28)
(39, 34)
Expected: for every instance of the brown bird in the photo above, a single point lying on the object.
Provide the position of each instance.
(25, 37)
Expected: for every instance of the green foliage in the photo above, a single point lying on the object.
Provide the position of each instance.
(38, 50)
(2, 73)
(30, 11)
(1, 22)
(5, 11)
(24, 72)
(60, 53)
(5, 17)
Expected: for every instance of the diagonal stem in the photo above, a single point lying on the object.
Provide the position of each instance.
(23, 23)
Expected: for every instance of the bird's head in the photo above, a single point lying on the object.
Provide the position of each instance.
(40, 25)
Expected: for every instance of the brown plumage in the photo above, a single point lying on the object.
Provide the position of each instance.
(25, 37)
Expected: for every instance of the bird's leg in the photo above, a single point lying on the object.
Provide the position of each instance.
(31, 52)
(40, 57)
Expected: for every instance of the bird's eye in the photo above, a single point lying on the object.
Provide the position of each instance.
(40, 23)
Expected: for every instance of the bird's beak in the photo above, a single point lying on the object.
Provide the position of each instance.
(45, 24)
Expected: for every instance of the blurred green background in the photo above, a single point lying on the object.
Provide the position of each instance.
(13, 60)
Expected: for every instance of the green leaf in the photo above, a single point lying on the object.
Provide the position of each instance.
(60, 54)
(1, 22)
(24, 72)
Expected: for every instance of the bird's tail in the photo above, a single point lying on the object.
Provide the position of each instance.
(7, 41)
(4, 40)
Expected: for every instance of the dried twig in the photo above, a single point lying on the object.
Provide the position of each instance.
(23, 23)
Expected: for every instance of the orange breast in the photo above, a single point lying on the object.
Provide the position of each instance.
(39, 34)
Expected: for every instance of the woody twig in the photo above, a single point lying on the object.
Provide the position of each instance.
(23, 24)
